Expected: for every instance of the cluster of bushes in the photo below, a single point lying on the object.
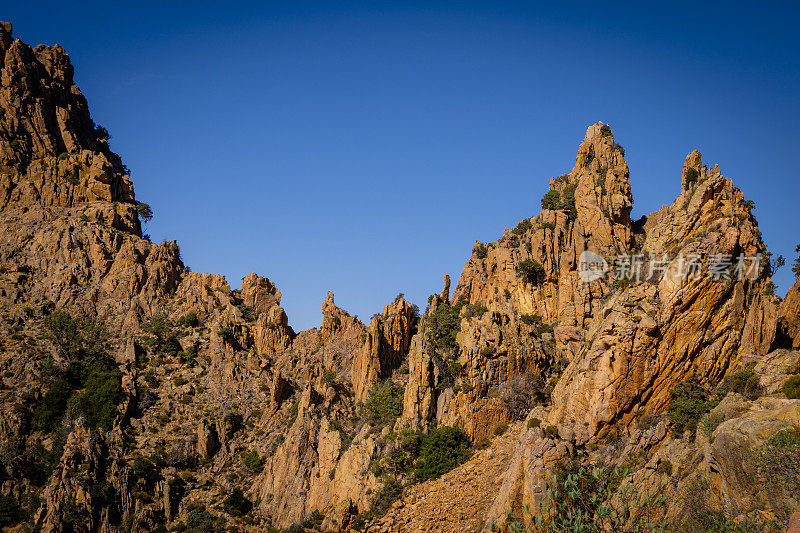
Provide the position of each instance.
(384, 404)
(247, 312)
(481, 251)
(691, 400)
(551, 200)
(531, 271)
(390, 492)
(442, 326)
(690, 175)
(796, 264)
(791, 388)
(561, 201)
(163, 340)
(200, 520)
(778, 461)
(523, 226)
(580, 499)
(253, 461)
(475, 310)
(189, 320)
(31, 460)
(440, 451)
(236, 504)
(89, 385)
(426, 456)
(539, 326)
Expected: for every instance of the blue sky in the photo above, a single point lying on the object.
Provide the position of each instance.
(363, 147)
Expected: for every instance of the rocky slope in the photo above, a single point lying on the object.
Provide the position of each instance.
(137, 395)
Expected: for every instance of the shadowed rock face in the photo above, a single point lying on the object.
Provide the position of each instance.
(538, 364)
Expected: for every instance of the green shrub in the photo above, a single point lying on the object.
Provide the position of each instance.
(499, 430)
(539, 326)
(534, 423)
(64, 332)
(159, 327)
(329, 377)
(791, 387)
(551, 200)
(200, 520)
(690, 175)
(252, 460)
(531, 271)
(236, 504)
(605, 130)
(551, 432)
(98, 401)
(568, 201)
(102, 133)
(390, 492)
(796, 264)
(580, 500)
(441, 450)
(36, 462)
(688, 404)
(746, 382)
(189, 320)
(144, 470)
(150, 377)
(443, 324)
(91, 384)
(778, 461)
(546, 225)
(481, 251)
(664, 467)
(227, 335)
(711, 422)
(50, 409)
(384, 404)
(144, 211)
(247, 312)
(523, 226)
(475, 310)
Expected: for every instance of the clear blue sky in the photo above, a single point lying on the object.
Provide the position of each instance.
(363, 147)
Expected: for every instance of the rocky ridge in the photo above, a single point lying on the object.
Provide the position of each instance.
(212, 391)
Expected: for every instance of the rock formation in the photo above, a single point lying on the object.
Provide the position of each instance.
(139, 396)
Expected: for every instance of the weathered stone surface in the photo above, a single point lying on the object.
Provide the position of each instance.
(790, 318)
(385, 348)
(207, 440)
(259, 293)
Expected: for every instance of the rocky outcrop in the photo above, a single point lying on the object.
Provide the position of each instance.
(207, 440)
(658, 332)
(259, 293)
(587, 209)
(789, 327)
(51, 152)
(386, 346)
